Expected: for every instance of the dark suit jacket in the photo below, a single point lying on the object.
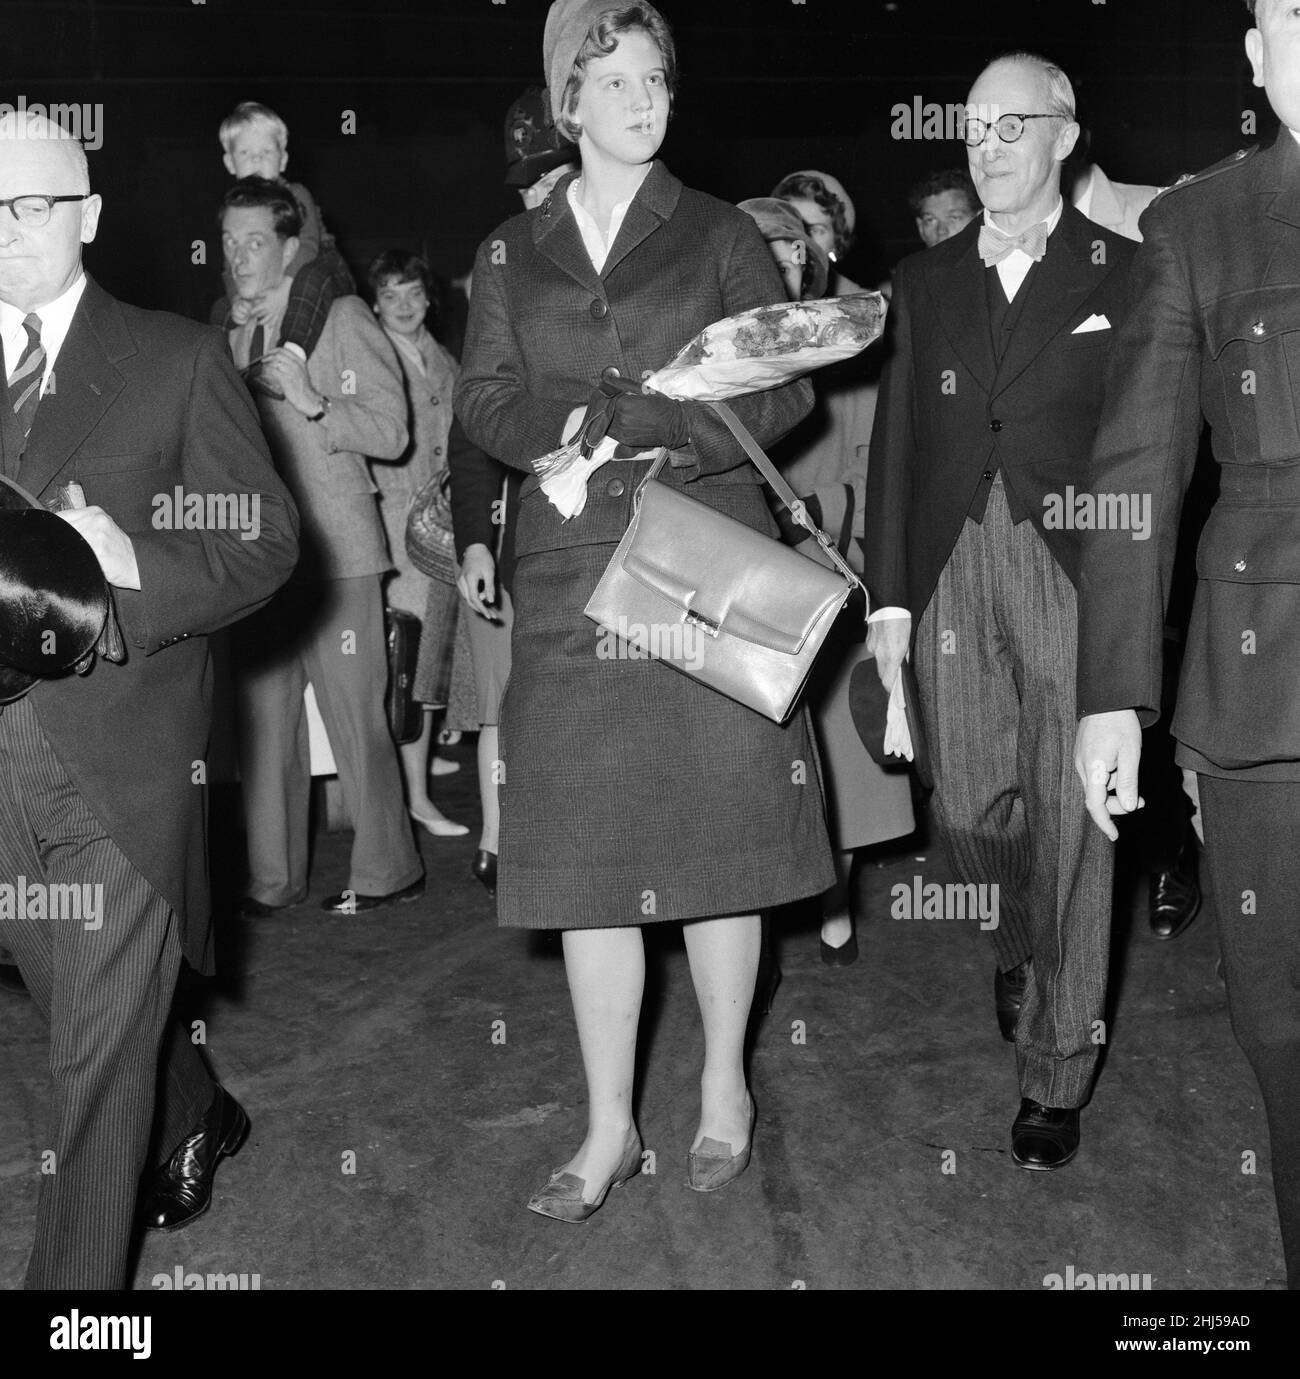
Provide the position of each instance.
(1215, 334)
(146, 401)
(947, 412)
(543, 325)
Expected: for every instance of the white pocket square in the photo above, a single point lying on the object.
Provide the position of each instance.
(1092, 323)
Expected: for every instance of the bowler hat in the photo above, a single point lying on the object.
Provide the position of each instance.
(53, 595)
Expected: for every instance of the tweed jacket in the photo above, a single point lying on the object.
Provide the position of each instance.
(950, 414)
(1214, 336)
(148, 403)
(543, 325)
(324, 462)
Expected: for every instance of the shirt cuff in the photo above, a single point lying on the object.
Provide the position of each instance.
(882, 613)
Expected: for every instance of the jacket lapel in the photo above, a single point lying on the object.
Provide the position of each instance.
(961, 305)
(86, 382)
(556, 236)
(1065, 279)
(654, 203)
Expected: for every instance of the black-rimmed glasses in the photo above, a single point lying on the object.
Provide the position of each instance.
(1009, 128)
(34, 209)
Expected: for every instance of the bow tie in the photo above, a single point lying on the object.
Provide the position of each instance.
(994, 246)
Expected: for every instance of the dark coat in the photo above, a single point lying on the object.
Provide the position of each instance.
(630, 793)
(1214, 335)
(948, 413)
(544, 325)
(147, 402)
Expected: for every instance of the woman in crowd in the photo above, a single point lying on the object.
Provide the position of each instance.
(401, 286)
(828, 212)
(827, 467)
(631, 794)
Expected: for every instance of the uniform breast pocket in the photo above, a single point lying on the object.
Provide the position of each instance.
(1253, 339)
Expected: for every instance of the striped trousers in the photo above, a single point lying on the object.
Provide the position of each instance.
(98, 949)
(995, 661)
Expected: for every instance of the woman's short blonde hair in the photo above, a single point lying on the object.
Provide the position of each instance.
(601, 41)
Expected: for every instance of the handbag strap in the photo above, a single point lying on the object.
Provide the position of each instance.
(784, 492)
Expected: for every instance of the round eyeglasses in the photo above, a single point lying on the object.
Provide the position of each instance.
(35, 209)
(1009, 128)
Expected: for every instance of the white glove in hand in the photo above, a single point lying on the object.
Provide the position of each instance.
(898, 740)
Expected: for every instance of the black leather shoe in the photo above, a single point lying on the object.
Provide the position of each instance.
(255, 909)
(12, 980)
(1175, 895)
(484, 869)
(1008, 995)
(181, 1189)
(353, 902)
(1044, 1137)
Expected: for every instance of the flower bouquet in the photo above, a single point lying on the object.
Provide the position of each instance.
(758, 349)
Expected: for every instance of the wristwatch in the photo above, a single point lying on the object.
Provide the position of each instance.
(324, 410)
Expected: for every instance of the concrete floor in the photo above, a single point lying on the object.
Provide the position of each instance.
(373, 1037)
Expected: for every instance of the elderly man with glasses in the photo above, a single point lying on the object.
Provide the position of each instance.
(982, 435)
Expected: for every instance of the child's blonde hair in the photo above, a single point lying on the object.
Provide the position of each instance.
(252, 113)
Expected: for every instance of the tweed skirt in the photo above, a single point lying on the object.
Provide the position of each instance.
(629, 793)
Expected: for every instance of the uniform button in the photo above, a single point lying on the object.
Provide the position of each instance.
(1257, 328)
(610, 373)
(599, 309)
(615, 488)
(988, 474)
(1239, 566)
(995, 425)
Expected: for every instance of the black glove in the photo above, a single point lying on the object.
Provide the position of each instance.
(792, 532)
(645, 420)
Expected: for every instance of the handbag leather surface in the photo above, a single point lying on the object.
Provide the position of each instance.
(402, 633)
(429, 539)
(735, 609)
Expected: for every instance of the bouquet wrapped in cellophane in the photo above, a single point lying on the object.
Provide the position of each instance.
(758, 349)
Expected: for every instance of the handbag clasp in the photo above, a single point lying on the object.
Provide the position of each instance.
(706, 625)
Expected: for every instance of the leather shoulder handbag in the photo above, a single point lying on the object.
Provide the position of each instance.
(405, 715)
(429, 538)
(735, 609)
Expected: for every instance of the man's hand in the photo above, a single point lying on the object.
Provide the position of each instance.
(1107, 750)
(112, 546)
(268, 306)
(478, 581)
(285, 368)
(240, 310)
(887, 640)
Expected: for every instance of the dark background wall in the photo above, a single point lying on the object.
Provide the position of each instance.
(766, 87)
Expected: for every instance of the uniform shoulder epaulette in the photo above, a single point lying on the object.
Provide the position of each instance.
(1190, 179)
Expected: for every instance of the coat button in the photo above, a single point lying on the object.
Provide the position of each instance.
(1257, 328)
(995, 425)
(1239, 566)
(988, 474)
(610, 373)
(615, 488)
(599, 310)
(437, 450)
(435, 400)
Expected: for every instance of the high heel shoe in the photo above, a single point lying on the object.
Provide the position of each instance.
(708, 1170)
(484, 869)
(561, 1196)
(439, 827)
(443, 766)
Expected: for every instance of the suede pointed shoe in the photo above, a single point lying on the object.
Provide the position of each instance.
(843, 956)
(1044, 1137)
(561, 1198)
(181, 1189)
(1008, 997)
(713, 1165)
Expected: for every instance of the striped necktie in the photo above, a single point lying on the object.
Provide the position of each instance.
(25, 381)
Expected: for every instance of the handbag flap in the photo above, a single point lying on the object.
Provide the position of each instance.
(738, 580)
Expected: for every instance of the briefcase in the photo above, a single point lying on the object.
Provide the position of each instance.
(403, 636)
(736, 610)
